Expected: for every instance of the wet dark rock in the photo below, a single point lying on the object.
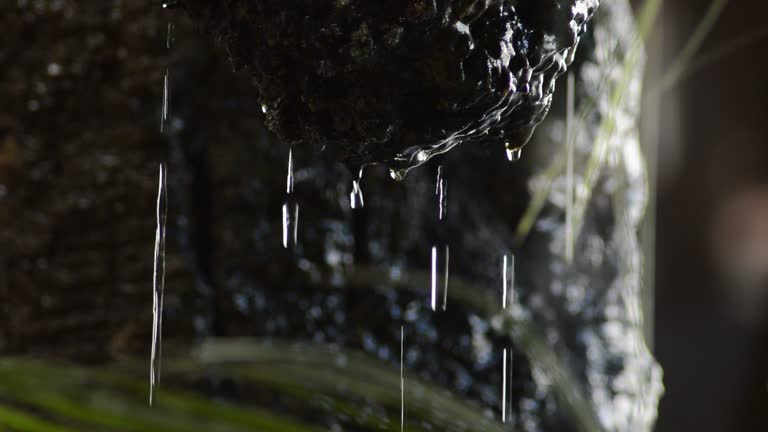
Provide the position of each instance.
(399, 81)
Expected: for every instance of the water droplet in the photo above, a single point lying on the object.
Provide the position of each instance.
(264, 109)
(356, 196)
(158, 284)
(439, 275)
(514, 154)
(170, 36)
(166, 101)
(290, 208)
(441, 190)
(508, 280)
(504, 387)
(396, 174)
(289, 176)
(290, 223)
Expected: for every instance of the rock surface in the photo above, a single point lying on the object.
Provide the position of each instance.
(399, 81)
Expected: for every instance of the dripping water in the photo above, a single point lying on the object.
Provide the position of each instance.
(570, 142)
(440, 251)
(164, 109)
(290, 208)
(504, 387)
(441, 190)
(166, 97)
(356, 196)
(158, 284)
(440, 259)
(508, 280)
(514, 154)
(169, 37)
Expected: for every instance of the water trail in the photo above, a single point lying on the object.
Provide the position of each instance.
(434, 278)
(440, 251)
(158, 284)
(402, 380)
(504, 387)
(290, 208)
(508, 280)
(509, 393)
(169, 37)
(164, 110)
(439, 275)
(356, 196)
(570, 142)
(166, 97)
(441, 190)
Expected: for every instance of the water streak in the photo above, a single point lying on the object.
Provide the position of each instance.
(441, 190)
(434, 278)
(158, 284)
(169, 37)
(504, 387)
(508, 280)
(439, 275)
(166, 98)
(290, 219)
(356, 196)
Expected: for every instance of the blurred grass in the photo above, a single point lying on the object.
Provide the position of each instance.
(42, 396)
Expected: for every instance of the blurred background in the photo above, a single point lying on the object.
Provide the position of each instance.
(711, 296)
(80, 92)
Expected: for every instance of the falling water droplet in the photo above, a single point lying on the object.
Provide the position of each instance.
(433, 302)
(514, 154)
(439, 275)
(166, 99)
(356, 196)
(504, 387)
(290, 223)
(158, 284)
(402, 380)
(508, 280)
(569, 139)
(397, 174)
(170, 36)
(289, 176)
(264, 109)
(441, 190)
(509, 378)
(290, 208)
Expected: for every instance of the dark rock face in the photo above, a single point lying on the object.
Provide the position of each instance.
(399, 81)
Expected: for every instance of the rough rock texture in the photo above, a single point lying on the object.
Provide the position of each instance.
(399, 81)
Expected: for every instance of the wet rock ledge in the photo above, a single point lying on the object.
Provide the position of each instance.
(399, 81)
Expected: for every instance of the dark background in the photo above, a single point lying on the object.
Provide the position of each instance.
(711, 333)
